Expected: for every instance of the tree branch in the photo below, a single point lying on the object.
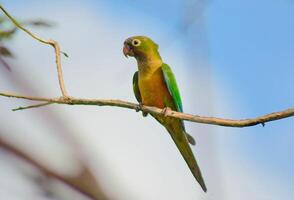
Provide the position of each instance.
(65, 99)
(157, 111)
(32, 106)
(52, 43)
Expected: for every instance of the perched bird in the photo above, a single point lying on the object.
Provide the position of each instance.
(154, 84)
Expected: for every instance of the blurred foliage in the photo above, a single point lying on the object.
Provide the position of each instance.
(8, 31)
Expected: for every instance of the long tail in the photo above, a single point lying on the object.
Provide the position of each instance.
(181, 141)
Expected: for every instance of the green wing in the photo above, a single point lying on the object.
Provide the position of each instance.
(139, 99)
(177, 129)
(136, 87)
(172, 86)
(173, 89)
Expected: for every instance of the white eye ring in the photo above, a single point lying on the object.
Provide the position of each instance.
(136, 42)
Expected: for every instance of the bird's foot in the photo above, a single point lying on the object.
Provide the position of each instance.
(139, 107)
(144, 114)
(166, 110)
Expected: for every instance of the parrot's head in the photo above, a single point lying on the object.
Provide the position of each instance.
(140, 47)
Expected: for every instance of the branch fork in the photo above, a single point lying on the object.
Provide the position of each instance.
(66, 99)
(77, 183)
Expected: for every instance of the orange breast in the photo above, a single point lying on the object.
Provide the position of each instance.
(153, 89)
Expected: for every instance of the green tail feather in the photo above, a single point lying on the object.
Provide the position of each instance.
(182, 143)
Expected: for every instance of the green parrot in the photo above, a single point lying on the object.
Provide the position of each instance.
(154, 84)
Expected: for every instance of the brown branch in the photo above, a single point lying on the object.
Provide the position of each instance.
(76, 101)
(32, 106)
(64, 133)
(52, 43)
(153, 110)
(83, 182)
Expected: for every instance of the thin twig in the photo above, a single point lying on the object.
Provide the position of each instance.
(52, 43)
(153, 110)
(32, 106)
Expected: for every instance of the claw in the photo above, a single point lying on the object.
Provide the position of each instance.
(139, 107)
(166, 110)
(144, 114)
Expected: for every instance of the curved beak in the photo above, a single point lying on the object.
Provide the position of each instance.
(128, 50)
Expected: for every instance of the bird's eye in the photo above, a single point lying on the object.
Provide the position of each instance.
(136, 42)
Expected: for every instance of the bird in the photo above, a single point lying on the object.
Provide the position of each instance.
(154, 84)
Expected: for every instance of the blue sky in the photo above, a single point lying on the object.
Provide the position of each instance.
(234, 60)
(251, 49)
